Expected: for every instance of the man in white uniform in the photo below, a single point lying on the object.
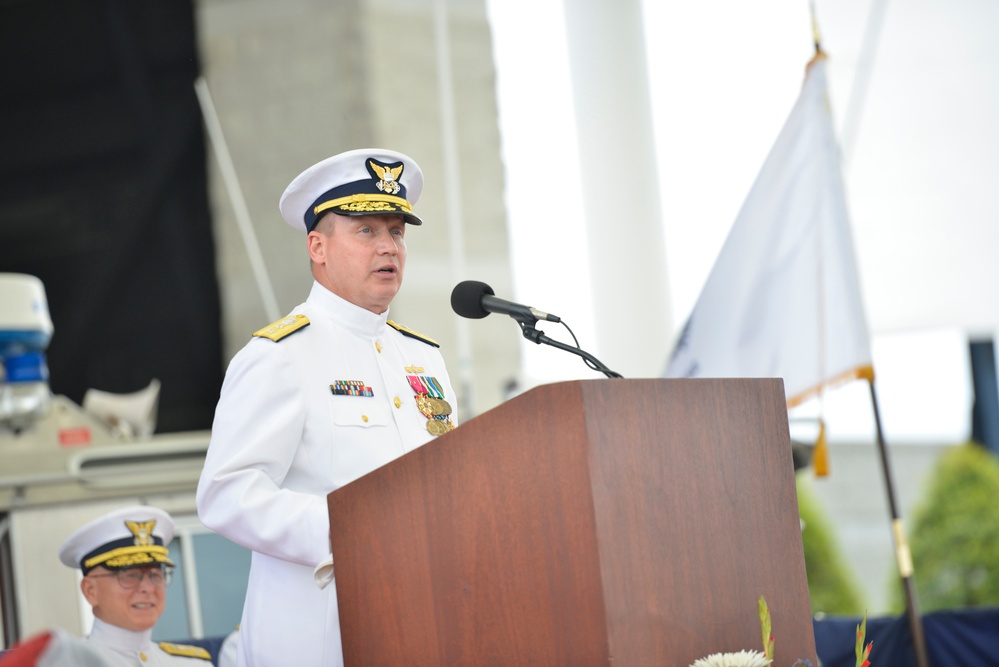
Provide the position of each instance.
(320, 398)
(126, 568)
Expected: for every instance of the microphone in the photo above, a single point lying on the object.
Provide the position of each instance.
(475, 300)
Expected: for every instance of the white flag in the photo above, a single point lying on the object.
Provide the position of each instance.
(783, 299)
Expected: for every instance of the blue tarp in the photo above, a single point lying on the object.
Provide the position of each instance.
(956, 638)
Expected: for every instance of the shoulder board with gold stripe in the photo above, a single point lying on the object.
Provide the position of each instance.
(185, 650)
(283, 327)
(406, 331)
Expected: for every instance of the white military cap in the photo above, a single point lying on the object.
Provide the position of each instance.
(130, 537)
(366, 181)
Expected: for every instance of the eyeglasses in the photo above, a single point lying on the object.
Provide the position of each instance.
(129, 579)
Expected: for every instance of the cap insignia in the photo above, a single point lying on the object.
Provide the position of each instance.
(143, 532)
(388, 176)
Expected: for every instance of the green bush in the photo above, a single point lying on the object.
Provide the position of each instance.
(955, 534)
(831, 587)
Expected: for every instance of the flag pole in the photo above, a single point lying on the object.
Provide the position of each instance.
(902, 554)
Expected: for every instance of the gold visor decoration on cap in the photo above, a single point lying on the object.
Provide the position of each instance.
(128, 556)
(366, 203)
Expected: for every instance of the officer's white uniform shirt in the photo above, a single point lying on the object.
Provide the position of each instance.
(125, 648)
(281, 441)
(227, 652)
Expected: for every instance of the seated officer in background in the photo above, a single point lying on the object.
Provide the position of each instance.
(53, 648)
(126, 568)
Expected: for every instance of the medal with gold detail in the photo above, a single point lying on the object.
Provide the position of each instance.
(438, 392)
(431, 403)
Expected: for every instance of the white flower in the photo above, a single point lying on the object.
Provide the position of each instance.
(740, 659)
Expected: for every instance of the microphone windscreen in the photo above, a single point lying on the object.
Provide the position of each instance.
(466, 298)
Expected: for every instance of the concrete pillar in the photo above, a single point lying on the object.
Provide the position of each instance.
(621, 196)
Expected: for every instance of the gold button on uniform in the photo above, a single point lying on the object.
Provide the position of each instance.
(364, 418)
(378, 346)
(397, 401)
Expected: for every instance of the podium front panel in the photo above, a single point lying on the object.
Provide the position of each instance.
(603, 522)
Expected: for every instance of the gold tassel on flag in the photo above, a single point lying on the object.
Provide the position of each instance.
(820, 454)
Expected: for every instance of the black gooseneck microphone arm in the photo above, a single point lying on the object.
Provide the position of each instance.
(475, 300)
(532, 333)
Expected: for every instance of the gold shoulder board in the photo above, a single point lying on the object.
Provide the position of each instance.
(406, 331)
(283, 327)
(186, 650)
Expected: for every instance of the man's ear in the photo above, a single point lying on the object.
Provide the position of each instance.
(316, 244)
(89, 589)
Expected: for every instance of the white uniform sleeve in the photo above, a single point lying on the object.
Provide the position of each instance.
(255, 436)
(227, 652)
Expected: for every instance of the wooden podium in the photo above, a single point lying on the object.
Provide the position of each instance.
(597, 522)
